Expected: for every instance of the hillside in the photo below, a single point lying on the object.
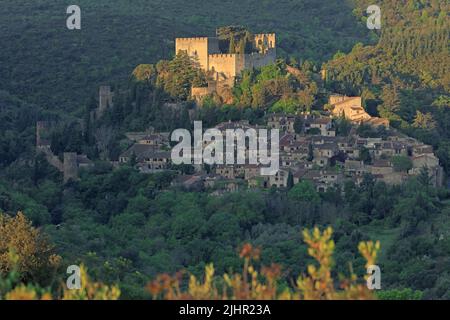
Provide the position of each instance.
(45, 63)
(406, 76)
(412, 52)
(127, 226)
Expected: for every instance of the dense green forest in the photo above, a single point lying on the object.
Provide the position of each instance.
(127, 227)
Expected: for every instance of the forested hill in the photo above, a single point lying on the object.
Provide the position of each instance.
(127, 227)
(45, 63)
(405, 76)
(413, 48)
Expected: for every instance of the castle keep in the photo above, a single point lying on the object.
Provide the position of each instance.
(224, 67)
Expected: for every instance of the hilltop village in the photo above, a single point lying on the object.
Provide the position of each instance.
(311, 149)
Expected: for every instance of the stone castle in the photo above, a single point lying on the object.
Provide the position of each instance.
(221, 67)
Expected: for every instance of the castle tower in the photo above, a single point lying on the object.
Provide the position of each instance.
(70, 166)
(105, 99)
(198, 48)
(265, 41)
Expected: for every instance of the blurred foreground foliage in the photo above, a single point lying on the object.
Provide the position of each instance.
(264, 284)
(251, 283)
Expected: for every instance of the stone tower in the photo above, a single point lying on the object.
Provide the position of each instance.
(265, 41)
(198, 48)
(105, 99)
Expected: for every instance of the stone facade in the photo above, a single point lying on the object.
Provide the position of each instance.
(351, 108)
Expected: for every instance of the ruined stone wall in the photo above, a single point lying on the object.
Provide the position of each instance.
(70, 166)
(258, 60)
(198, 93)
(51, 158)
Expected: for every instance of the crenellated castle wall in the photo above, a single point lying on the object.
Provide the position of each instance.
(206, 51)
(258, 60)
(231, 65)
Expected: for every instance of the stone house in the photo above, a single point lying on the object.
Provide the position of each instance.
(387, 149)
(226, 171)
(326, 150)
(348, 107)
(280, 179)
(148, 157)
(281, 122)
(431, 162)
(251, 171)
(323, 124)
(354, 168)
(231, 171)
(348, 147)
(328, 179)
(299, 174)
(137, 150)
(422, 149)
(321, 161)
(381, 167)
(154, 139)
